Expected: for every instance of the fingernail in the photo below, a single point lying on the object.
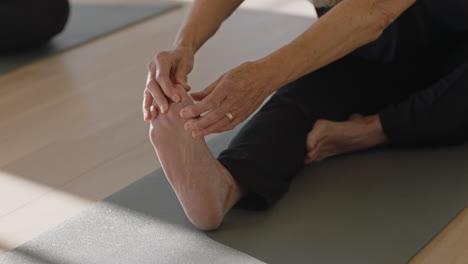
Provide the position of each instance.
(175, 98)
(164, 108)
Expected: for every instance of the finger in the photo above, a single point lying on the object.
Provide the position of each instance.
(147, 102)
(180, 89)
(198, 96)
(181, 77)
(187, 87)
(163, 77)
(157, 95)
(209, 119)
(210, 102)
(217, 127)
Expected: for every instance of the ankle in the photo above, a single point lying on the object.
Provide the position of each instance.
(235, 192)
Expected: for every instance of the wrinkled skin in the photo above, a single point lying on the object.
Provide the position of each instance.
(330, 138)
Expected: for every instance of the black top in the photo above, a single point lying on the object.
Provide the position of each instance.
(428, 26)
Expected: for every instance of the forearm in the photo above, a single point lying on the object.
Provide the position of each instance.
(202, 22)
(348, 26)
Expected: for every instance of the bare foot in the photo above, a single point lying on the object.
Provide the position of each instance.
(330, 138)
(206, 190)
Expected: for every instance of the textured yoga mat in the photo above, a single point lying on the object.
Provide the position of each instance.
(86, 23)
(379, 206)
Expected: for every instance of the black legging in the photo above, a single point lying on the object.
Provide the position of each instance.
(27, 24)
(422, 101)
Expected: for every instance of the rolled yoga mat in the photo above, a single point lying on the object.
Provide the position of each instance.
(87, 22)
(378, 206)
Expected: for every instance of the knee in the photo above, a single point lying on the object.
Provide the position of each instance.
(54, 14)
(57, 13)
(60, 13)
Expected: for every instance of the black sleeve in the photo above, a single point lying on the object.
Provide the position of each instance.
(437, 115)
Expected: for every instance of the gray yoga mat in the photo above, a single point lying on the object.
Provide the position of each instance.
(379, 206)
(87, 22)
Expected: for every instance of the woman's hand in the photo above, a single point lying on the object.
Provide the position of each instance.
(235, 95)
(166, 70)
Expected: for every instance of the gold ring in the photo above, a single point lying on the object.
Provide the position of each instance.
(229, 116)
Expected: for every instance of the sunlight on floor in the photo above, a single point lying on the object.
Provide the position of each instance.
(45, 199)
(106, 218)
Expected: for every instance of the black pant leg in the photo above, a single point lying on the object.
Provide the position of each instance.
(438, 114)
(435, 116)
(269, 151)
(30, 23)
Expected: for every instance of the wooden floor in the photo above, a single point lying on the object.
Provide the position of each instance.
(72, 130)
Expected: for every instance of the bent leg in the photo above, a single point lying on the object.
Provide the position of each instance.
(437, 114)
(269, 151)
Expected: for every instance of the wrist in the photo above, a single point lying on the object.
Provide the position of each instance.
(185, 42)
(183, 47)
(270, 73)
(264, 75)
